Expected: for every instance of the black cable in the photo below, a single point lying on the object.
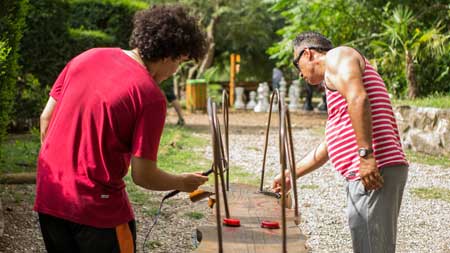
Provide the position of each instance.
(154, 222)
(168, 195)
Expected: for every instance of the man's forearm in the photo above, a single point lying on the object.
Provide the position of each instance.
(314, 160)
(157, 180)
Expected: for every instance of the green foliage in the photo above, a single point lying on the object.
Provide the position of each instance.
(82, 40)
(30, 98)
(44, 48)
(404, 43)
(389, 29)
(339, 20)
(113, 17)
(215, 93)
(248, 29)
(438, 100)
(49, 43)
(12, 14)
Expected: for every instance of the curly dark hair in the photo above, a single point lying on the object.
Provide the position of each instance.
(163, 31)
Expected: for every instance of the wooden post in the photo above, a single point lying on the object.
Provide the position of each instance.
(232, 77)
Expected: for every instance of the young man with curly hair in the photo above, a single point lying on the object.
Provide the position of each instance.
(104, 113)
(362, 139)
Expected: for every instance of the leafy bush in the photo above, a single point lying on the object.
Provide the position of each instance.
(44, 48)
(12, 14)
(113, 17)
(31, 97)
(82, 40)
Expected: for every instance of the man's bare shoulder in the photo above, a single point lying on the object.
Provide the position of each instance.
(340, 53)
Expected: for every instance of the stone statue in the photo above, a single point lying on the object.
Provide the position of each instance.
(239, 103)
(294, 95)
(260, 107)
(283, 88)
(252, 101)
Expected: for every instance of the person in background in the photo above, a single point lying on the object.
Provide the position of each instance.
(277, 76)
(308, 106)
(362, 139)
(105, 112)
(168, 89)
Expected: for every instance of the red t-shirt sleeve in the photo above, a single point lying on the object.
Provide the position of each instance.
(148, 130)
(58, 85)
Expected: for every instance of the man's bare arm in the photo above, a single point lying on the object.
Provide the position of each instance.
(146, 174)
(46, 116)
(312, 161)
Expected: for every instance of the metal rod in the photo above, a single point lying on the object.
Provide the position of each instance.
(274, 93)
(291, 153)
(282, 132)
(216, 180)
(221, 161)
(225, 105)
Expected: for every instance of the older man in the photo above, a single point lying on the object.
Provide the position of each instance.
(362, 139)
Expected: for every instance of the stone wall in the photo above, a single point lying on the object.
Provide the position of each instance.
(424, 129)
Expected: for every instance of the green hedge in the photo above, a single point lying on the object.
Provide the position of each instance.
(82, 40)
(12, 15)
(58, 30)
(113, 17)
(44, 48)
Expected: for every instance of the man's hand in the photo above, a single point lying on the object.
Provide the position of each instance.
(370, 174)
(276, 185)
(191, 181)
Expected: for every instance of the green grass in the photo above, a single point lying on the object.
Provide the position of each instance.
(438, 101)
(422, 158)
(19, 153)
(195, 215)
(309, 186)
(432, 193)
(179, 151)
(239, 175)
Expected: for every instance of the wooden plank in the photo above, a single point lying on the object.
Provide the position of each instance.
(251, 207)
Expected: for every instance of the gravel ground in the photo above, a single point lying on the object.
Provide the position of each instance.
(424, 225)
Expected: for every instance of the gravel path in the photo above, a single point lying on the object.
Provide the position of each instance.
(424, 225)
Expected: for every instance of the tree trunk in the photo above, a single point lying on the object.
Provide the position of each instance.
(411, 76)
(209, 57)
(198, 69)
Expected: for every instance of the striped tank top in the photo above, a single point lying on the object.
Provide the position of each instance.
(340, 136)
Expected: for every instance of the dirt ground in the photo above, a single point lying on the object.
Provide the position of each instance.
(174, 227)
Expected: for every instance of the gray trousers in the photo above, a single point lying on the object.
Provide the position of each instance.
(372, 215)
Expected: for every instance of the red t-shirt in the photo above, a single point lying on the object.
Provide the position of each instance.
(108, 108)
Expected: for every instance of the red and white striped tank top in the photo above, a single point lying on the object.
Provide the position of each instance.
(340, 137)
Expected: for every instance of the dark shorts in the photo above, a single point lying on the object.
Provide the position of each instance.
(64, 236)
(170, 96)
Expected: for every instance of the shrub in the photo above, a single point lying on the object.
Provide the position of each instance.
(113, 17)
(44, 48)
(12, 15)
(82, 40)
(30, 99)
